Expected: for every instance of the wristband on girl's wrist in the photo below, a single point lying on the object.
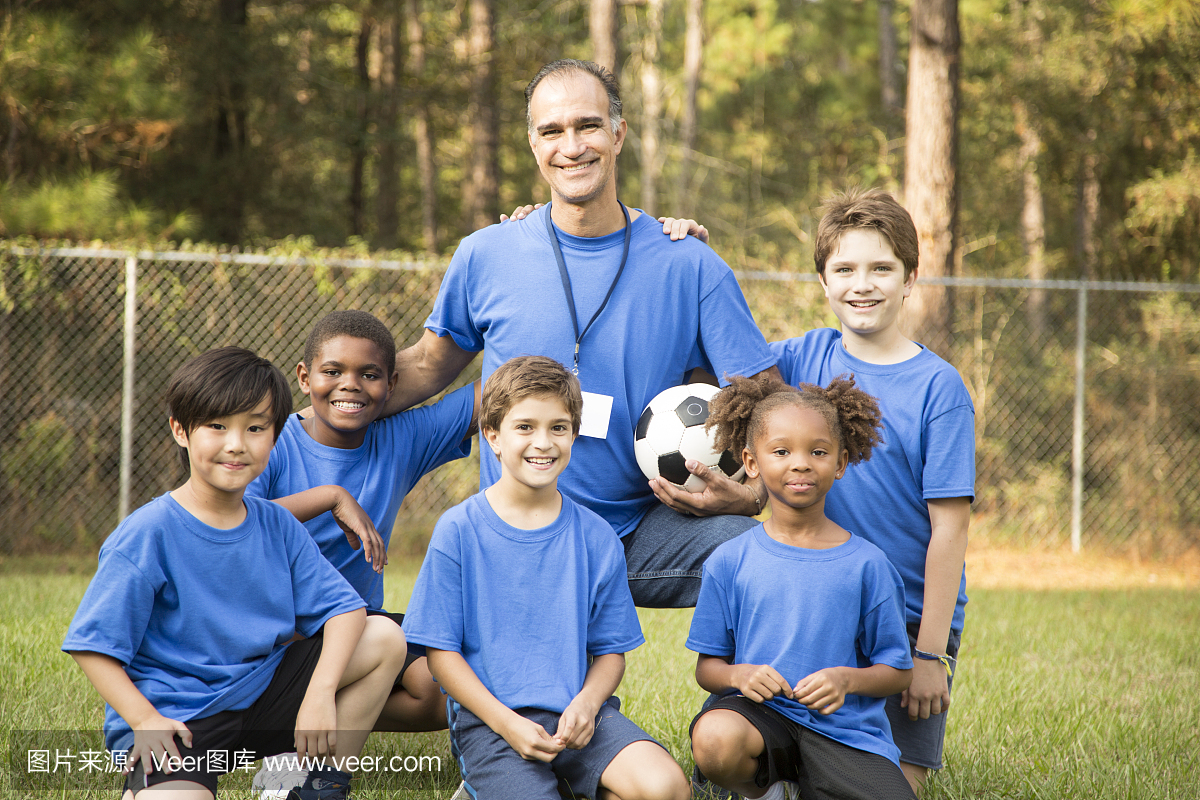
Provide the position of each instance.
(949, 662)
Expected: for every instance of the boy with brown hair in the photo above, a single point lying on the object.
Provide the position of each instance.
(524, 608)
(921, 479)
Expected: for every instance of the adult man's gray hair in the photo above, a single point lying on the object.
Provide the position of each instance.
(563, 65)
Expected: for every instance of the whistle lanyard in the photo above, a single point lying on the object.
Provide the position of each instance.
(566, 279)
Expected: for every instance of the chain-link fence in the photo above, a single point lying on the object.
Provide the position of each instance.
(1113, 460)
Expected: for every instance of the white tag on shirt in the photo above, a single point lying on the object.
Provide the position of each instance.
(597, 409)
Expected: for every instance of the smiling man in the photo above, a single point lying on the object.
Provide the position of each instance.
(599, 288)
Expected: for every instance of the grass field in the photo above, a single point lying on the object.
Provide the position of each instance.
(1087, 693)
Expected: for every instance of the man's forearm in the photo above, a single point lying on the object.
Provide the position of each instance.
(425, 369)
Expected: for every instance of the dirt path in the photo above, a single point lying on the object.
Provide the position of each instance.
(1007, 568)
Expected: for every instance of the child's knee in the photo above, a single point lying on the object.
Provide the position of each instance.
(383, 642)
(645, 771)
(666, 783)
(717, 742)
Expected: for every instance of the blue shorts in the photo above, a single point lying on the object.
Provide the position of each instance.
(492, 770)
(920, 740)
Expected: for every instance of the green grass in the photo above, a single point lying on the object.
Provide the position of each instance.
(1092, 695)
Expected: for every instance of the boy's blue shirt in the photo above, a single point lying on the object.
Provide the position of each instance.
(396, 452)
(198, 616)
(800, 611)
(677, 306)
(927, 453)
(525, 608)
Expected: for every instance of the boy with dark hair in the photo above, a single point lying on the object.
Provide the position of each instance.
(185, 628)
(344, 472)
(525, 610)
(921, 479)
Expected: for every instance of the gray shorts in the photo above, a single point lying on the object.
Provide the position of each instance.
(921, 740)
(492, 770)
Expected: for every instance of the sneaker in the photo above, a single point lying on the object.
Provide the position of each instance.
(326, 784)
(461, 793)
(280, 777)
(702, 788)
(782, 790)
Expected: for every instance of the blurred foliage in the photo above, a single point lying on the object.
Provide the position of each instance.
(157, 119)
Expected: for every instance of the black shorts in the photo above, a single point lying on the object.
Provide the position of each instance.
(266, 728)
(409, 658)
(822, 767)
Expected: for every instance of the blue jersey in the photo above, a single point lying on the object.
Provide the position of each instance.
(396, 452)
(800, 611)
(677, 306)
(927, 453)
(199, 616)
(525, 608)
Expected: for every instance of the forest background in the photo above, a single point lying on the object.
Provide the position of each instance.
(1034, 142)
(400, 123)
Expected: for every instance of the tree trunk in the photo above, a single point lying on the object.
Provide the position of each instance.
(1088, 213)
(358, 140)
(651, 107)
(480, 195)
(230, 121)
(422, 127)
(1033, 212)
(387, 170)
(1033, 215)
(602, 23)
(693, 55)
(930, 189)
(889, 91)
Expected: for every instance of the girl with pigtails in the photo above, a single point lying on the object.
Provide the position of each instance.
(800, 624)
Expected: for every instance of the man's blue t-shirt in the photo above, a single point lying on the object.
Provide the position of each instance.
(199, 616)
(928, 451)
(800, 611)
(677, 306)
(525, 608)
(396, 452)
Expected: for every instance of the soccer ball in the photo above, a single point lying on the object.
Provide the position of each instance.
(671, 431)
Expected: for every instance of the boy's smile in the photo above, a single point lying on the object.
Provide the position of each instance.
(865, 284)
(349, 385)
(533, 443)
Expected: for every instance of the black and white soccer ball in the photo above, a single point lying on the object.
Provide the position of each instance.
(671, 431)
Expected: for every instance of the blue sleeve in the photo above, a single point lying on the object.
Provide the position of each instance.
(451, 313)
(435, 617)
(882, 635)
(430, 436)
(319, 590)
(712, 631)
(950, 455)
(613, 625)
(115, 611)
(799, 358)
(732, 342)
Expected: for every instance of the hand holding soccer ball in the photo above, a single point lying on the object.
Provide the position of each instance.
(671, 432)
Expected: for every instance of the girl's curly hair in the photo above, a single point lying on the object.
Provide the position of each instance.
(740, 410)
